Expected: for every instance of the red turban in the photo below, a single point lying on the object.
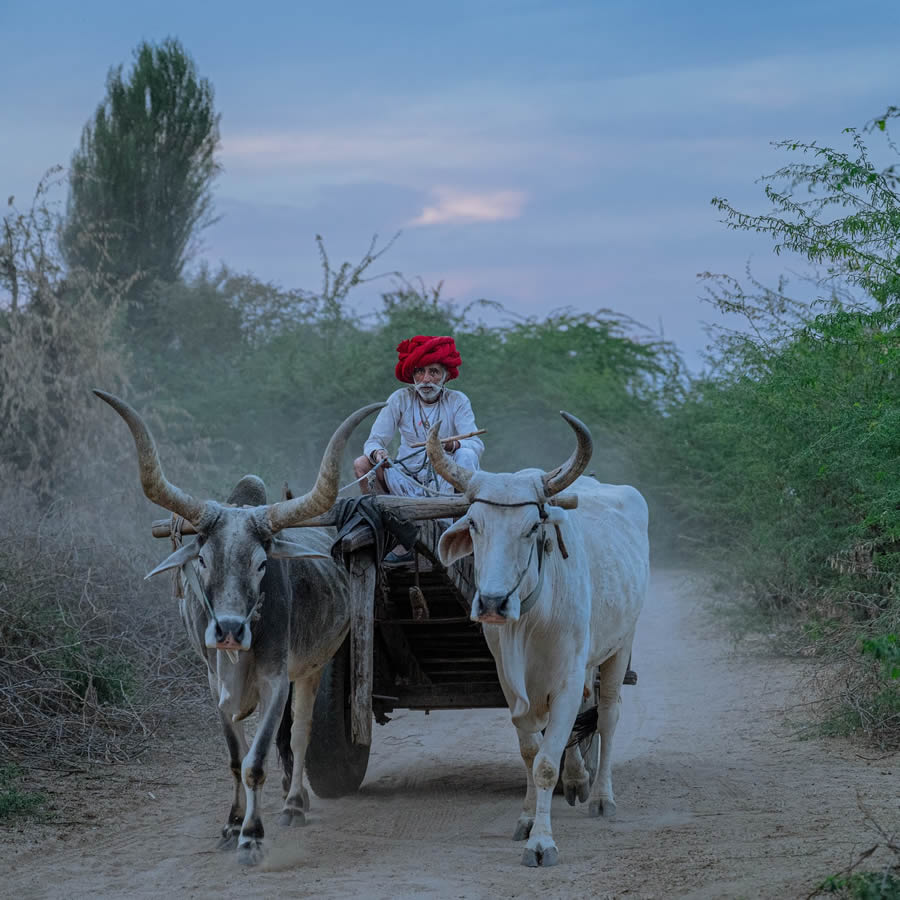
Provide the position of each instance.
(423, 350)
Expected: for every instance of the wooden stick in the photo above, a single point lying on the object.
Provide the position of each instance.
(453, 437)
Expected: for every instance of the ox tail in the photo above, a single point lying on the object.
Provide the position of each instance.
(585, 725)
(283, 738)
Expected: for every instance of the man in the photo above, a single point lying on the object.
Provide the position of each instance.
(425, 363)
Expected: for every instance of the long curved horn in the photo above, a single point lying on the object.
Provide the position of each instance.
(459, 476)
(155, 484)
(289, 513)
(560, 478)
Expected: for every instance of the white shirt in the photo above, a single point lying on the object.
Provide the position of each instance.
(408, 412)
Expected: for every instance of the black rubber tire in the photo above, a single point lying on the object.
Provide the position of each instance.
(590, 752)
(335, 766)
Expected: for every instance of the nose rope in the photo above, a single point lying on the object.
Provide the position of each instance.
(194, 583)
(253, 609)
(188, 570)
(515, 587)
(528, 602)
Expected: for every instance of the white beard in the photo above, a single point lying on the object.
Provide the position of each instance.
(429, 392)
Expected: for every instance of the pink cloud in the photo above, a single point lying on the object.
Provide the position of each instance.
(458, 207)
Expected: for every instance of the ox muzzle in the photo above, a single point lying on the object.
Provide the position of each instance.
(495, 609)
(228, 633)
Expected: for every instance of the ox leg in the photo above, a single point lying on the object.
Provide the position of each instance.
(529, 744)
(296, 802)
(237, 750)
(273, 695)
(541, 850)
(236, 742)
(609, 701)
(575, 778)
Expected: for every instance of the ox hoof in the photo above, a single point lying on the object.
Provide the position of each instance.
(251, 853)
(540, 856)
(292, 817)
(576, 790)
(523, 829)
(605, 808)
(229, 839)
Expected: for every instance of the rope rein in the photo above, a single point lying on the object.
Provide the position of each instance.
(393, 462)
(430, 477)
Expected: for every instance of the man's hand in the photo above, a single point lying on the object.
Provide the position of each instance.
(380, 455)
(451, 446)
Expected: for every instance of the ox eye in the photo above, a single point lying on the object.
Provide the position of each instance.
(473, 527)
(262, 566)
(202, 563)
(534, 529)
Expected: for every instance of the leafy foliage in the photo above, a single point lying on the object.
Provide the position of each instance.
(862, 246)
(864, 886)
(279, 370)
(886, 649)
(786, 450)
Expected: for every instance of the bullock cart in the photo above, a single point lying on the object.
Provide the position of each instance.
(411, 643)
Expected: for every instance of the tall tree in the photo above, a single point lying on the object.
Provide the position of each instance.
(140, 183)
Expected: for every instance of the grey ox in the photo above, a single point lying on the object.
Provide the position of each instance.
(558, 594)
(275, 612)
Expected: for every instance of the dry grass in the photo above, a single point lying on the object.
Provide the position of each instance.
(93, 659)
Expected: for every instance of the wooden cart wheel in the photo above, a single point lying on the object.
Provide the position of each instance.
(335, 765)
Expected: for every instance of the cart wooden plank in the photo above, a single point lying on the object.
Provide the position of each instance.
(363, 574)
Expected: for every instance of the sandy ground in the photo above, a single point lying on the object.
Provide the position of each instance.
(717, 797)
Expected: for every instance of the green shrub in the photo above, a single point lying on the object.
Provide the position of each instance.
(864, 886)
(14, 801)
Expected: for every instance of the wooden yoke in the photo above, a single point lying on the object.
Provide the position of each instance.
(449, 506)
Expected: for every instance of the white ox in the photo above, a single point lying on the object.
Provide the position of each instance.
(559, 594)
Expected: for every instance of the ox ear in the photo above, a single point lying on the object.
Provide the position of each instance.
(281, 549)
(178, 558)
(455, 542)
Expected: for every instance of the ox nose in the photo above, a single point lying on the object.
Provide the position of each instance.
(493, 608)
(229, 634)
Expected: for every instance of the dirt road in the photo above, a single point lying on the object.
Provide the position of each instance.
(716, 798)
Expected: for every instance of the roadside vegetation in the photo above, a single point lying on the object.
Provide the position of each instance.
(777, 467)
(786, 452)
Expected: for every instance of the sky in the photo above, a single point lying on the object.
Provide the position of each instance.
(539, 154)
